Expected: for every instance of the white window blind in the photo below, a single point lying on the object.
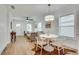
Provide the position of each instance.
(66, 26)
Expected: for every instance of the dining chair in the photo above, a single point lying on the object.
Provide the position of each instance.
(59, 47)
(37, 41)
(40, 45)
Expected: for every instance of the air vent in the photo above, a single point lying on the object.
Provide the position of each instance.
(13, 7)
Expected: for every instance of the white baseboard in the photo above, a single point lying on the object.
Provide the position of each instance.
(3, 46)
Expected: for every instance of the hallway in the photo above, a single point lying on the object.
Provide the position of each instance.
(20, 47)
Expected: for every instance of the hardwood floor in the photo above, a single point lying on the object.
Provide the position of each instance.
(20, 47)
(23, 46)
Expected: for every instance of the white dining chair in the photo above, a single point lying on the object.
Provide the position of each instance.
(41, 40)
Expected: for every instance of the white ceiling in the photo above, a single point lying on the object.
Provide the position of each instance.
(34, 9)
(24, 10)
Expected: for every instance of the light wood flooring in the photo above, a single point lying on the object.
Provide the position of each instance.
(20, 47)
(23, 46)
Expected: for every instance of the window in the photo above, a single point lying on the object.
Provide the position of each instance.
(29, 27)
(66, 26)
(18, 25)
(39, 27)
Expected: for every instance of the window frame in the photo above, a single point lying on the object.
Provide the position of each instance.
(67, 26)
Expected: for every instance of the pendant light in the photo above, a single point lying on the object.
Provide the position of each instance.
(49, 17)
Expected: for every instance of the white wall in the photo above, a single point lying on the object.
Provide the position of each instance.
(4, 26)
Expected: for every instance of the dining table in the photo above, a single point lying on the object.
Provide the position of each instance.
(43, 37)
(48, 37)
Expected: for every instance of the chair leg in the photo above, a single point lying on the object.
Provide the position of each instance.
(58, 51)
(63, 50)
(41, 51)
(36, 47)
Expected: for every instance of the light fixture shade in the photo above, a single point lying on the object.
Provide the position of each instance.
(49, 18)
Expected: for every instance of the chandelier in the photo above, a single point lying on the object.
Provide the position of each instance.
(49, 17)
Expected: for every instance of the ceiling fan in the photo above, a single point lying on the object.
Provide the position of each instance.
(28, 19)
